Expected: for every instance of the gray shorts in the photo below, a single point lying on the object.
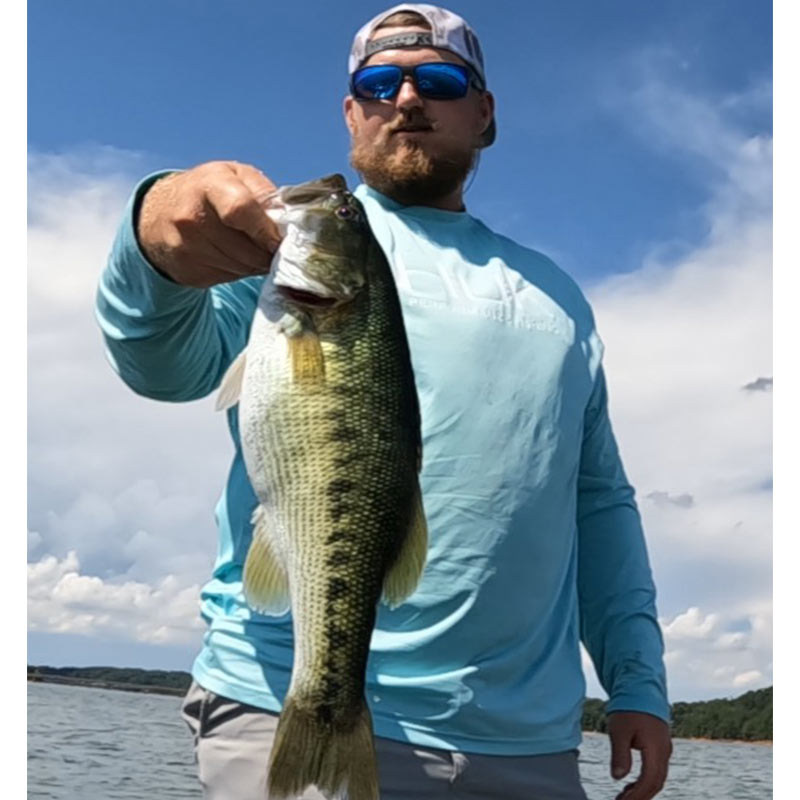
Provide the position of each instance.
(232, 743)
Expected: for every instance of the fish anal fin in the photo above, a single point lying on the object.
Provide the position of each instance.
(231, 386)
(266, 585)
(403, 576)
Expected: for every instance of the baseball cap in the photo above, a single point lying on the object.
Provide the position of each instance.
(448, 32)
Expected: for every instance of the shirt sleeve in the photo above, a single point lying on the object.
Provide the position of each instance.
(619, 623)
(167, 341)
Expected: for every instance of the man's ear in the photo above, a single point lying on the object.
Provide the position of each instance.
(348, 108)
(487, 110)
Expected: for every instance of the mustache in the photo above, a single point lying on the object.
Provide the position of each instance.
(416, 122)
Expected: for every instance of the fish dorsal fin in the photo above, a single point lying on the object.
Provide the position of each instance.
(402, 578)
(231, 386)
(266, 585)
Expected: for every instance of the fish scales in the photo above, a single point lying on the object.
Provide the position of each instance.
(338, 477)
(330, 431)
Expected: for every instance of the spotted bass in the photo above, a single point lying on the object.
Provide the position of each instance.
(330, 430)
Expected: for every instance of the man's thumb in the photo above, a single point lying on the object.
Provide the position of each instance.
(620, 756)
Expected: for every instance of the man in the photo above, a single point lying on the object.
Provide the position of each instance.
(475, 683)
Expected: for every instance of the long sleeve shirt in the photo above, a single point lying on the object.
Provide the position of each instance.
(535, 540)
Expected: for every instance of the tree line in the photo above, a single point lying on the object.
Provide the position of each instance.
(748, 717)
(168, 679)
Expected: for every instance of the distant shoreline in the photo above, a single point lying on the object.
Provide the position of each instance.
(766, 742)
(89, 683)
(181, 682)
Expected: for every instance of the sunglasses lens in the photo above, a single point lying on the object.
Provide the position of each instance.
(378, 82)
(442, 81)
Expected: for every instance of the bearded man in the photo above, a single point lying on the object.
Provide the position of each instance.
(535, 543)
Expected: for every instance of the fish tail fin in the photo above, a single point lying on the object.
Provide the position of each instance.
(338, 760)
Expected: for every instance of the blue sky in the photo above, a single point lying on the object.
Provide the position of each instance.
(634, 147)
(186, 81)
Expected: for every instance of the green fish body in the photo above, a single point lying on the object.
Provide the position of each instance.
(330, 430)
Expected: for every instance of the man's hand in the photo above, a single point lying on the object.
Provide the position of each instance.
(648, 734)
(207, 225)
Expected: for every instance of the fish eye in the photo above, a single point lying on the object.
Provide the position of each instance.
(345, 212)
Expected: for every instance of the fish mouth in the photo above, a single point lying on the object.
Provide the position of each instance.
(297, 286)
(304, 298)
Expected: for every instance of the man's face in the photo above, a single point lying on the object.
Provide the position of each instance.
(410, 147)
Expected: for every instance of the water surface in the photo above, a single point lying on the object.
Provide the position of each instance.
(98, 744)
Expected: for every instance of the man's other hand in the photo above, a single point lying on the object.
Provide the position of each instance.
(207, 225)
(631, 730)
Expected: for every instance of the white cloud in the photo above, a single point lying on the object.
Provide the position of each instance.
(706, 658)
(690, 625)
(34, 542)
(121, 489)
(683, 337)
(731, 641)
(128, 483)
(62, 600)
(747, 678)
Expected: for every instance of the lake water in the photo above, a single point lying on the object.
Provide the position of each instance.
(97, 744)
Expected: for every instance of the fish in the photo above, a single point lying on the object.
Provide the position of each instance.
(329, 423)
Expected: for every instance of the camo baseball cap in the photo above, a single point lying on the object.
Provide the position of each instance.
(448, 32)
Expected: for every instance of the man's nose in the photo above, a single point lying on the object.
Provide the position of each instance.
(407, 96)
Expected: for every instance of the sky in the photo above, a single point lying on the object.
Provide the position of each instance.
(634, 148)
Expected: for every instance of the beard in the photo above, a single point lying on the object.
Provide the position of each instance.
(405, 172)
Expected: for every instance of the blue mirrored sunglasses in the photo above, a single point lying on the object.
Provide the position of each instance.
(437, 81)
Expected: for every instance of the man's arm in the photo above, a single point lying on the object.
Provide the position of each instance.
(619, 624)
(167, 335)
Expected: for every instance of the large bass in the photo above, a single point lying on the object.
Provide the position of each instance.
(330, 430)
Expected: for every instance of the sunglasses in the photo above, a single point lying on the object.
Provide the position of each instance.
(437, 81)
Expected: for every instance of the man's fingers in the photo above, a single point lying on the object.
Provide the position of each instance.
(620, 754)
(236, 252)
(625, 794)
(639, 791)
(262, 188)
(255, 180)
(650, 735)
(204, 276)
(232, 254)
(655, 760)
(651, 778)
(237, 208)
(209, 218)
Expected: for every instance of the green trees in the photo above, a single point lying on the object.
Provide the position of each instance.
(167, 679)
(747, 717)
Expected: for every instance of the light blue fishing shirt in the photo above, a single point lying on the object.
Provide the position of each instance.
(535, 540)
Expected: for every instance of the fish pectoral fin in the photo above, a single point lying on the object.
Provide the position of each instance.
(402, 578)
(231, 386)
(266, 585)
(305, 352)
